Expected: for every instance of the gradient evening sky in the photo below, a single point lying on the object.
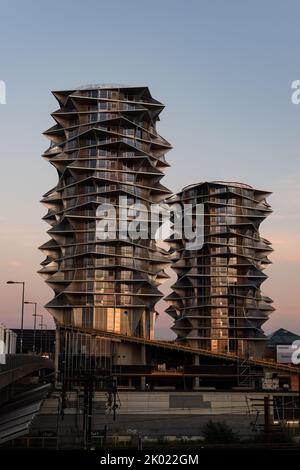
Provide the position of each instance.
(223, 70)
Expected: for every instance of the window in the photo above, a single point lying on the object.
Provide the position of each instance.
(87, 317)
(72, 144)
(105, 93)
(93, 152)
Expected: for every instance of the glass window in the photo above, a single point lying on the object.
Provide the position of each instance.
(94, 117)
(87, 316)
(105, 93)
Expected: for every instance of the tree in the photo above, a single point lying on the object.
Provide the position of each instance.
(219, 433)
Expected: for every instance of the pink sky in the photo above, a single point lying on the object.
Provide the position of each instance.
(20, 259)
(229, 115)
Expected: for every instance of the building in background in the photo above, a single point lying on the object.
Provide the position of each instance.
(279, 345)
(104, 145)
(216, 302)
(8, 341)
(108, 154)
(39, 341)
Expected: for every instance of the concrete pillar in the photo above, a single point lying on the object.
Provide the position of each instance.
(12, 336)
(57, 352)
(143, 354)
(2, 339)
(10, 342)
(2, 344)
(196, 380)
(143, 383)
(6, 341)
(143, 361)
(152, 324)
(14, 343)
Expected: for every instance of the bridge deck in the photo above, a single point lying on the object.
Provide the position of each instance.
(20, 365)
(268, 363)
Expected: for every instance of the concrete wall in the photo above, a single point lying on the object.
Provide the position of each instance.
(170, 403)
(198, 403)
(157, 413)
(128, 354)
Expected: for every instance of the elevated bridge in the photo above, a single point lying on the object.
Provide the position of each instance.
(171, 345)
(18, 366)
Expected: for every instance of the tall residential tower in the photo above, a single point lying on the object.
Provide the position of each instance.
(104, 145)
(216, 302)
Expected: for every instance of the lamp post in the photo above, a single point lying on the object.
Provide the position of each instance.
(41, 338)
(43, 325)
(46, 338)
(34, 323)
(22, 311)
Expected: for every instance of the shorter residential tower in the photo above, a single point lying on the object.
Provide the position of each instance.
(216, 302)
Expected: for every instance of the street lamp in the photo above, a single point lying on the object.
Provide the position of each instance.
(34, 322)
(46, 333)
(41, 339)
(22, 311)
(47, 341)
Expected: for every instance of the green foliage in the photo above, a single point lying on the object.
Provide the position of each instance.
(219, 432)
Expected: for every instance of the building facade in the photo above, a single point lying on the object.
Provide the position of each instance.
(8, 342)
(104, 146)
(216, 302)
(110, 160)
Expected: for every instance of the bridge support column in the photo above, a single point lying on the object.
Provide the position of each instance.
(2, 342)
(6, 341)
(143, 383)
(143, 361)
(57, 353)
(196, 380)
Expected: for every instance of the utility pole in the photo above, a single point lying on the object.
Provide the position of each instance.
(88, 409)
(93, 379)
(41, 337)
(267, 416)
(114, 390)
(22, 311)
(34, 323)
